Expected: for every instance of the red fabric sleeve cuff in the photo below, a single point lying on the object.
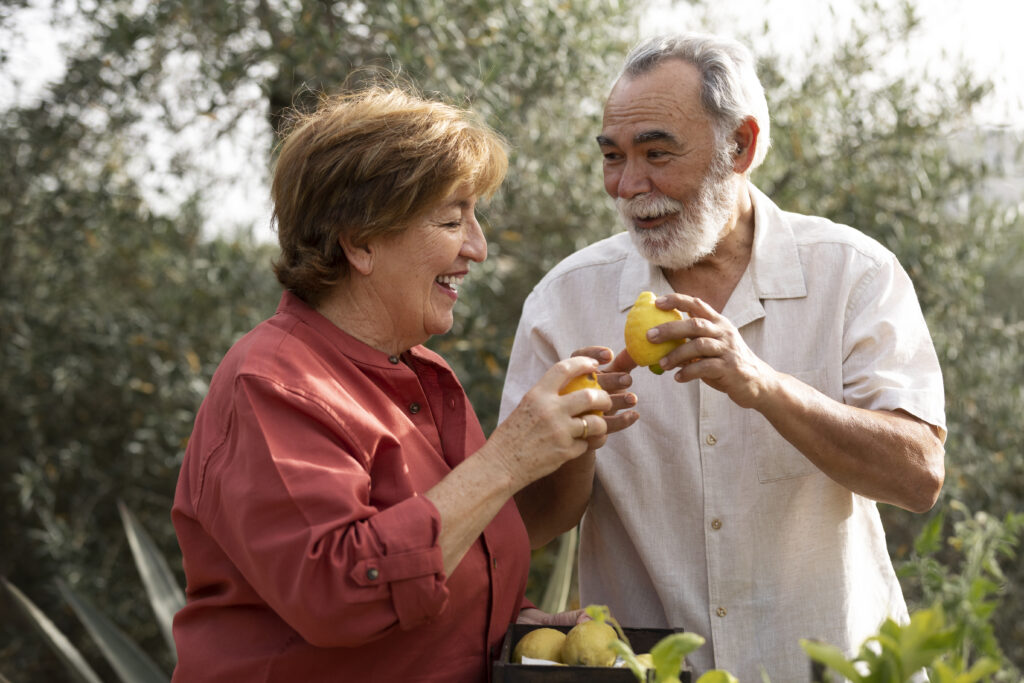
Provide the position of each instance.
(412, 564)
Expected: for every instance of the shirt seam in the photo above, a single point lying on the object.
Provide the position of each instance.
(213, 452)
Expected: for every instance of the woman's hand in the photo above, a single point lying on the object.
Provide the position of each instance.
(536, 617)
(547, 429)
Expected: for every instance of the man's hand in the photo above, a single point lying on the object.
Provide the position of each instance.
(615, 380)
(716, 353)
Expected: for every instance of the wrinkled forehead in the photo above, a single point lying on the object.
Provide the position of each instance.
(670, 92)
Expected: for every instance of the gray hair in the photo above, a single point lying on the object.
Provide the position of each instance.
(730, 88)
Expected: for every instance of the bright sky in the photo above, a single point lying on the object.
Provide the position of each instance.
(985, 32)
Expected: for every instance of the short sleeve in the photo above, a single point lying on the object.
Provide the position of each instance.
(889, 360)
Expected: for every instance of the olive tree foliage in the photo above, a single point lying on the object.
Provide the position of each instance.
(882, 152)
(116, 304)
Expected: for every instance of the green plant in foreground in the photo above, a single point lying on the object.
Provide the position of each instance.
(968, 579)
(897, 653)
(667, 654)
(128, 661)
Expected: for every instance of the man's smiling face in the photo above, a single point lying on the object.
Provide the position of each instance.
(673, 184)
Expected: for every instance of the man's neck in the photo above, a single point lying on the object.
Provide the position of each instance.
(715, 277)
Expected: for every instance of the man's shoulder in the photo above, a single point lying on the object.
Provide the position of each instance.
(590, 261)
(814, 232)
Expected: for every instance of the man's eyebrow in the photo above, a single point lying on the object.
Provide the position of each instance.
(652, 135)
(641, 138)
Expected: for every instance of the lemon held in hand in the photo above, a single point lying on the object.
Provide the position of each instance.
(643, 316)
(587, 381)
(540, 643)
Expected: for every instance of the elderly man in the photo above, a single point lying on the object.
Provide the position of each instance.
(743, 505)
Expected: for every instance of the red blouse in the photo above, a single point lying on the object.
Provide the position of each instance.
(308, 551)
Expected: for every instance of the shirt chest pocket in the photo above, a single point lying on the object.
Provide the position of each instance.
(776, 458)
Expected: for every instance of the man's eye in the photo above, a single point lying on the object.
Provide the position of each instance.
(612, 156)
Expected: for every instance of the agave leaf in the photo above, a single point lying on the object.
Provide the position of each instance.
(68, 653)
(165, 595)
(556, 595)
(129, 662)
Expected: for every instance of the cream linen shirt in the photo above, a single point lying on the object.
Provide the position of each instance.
(702, 515)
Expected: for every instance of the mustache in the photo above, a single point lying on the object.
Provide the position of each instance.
(647, 206)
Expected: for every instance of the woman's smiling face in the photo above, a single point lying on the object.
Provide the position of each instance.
(418, 271)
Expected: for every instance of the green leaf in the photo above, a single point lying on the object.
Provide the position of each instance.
(832, 657)
(669, 652)
(982, 668)
(930, 539)
(165, 595)
(131, 664)
(717, 676)
(556, 595)
(68, 653)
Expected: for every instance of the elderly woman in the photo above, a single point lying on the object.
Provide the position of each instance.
(341, 515)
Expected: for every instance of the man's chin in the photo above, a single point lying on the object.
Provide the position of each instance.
(666, 254)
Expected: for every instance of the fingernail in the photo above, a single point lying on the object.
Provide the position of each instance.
(661, 300)
(652, 333)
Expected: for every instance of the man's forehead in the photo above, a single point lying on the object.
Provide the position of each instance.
(661, 100)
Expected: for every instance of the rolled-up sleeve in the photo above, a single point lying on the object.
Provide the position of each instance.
(889, 358)
(287, 496)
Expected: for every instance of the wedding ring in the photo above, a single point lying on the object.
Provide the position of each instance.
(586, 429)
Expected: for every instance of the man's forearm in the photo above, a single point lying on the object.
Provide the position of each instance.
(553, 505)
(887, 456)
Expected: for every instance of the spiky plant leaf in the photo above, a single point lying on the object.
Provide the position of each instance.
(68, 653)
(129, 662)
(165, 595)
(556, 595)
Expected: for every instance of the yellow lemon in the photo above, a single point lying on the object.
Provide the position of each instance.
(589, 644)
(587, 381)
(540, 643)
(641, 317)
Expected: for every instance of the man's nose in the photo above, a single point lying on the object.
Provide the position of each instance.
(633, 181)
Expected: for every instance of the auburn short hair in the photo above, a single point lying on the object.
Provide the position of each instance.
(368, 163)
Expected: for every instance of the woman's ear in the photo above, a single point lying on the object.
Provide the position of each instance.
(360, 258)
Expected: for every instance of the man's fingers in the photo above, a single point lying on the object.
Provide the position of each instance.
(619, 421)
(622, 363)
(602, 354)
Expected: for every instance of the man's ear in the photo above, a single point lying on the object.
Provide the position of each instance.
(360, 258)
(745, 139)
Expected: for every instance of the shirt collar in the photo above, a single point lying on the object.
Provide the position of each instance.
(774, 271)
(358, 351)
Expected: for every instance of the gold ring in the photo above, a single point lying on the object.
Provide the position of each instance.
(586, 429)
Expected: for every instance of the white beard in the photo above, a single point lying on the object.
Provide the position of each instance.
(694, 231)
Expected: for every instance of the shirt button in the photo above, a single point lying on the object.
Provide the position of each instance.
(720, 611)
(711, 440)
(414, 408)
(393, 360)
(372, 573)
(494, 562)
(716, 524)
